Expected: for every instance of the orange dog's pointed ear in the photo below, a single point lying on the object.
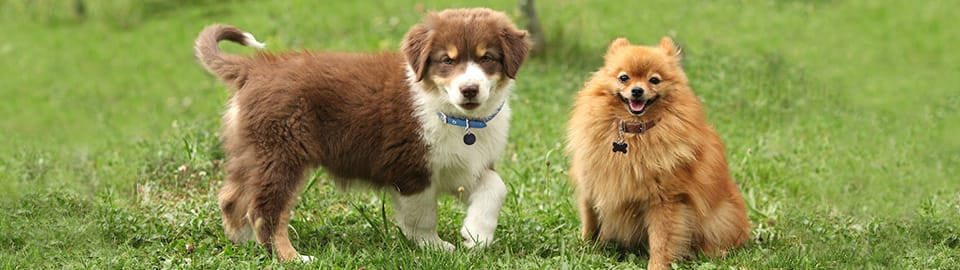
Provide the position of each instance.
(617, 44)
(416, 49)
(515, 47)
(666, 44)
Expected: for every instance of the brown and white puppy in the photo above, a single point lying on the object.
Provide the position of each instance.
(388, 120)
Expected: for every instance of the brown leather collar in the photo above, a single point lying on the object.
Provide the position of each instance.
(637, 127)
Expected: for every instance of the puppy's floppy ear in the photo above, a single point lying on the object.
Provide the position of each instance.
(666, 44)
(416, 49)
(515, 47)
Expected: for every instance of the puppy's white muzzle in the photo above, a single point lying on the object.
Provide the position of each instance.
(470, 89)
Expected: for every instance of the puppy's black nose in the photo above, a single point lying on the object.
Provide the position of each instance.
(470, 90)
(637, 92)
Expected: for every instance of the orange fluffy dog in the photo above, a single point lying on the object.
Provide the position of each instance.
(664, 185)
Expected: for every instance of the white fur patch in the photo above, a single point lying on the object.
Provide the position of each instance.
(230, 117)
(307, 259)
(472, 75)
(251, 41)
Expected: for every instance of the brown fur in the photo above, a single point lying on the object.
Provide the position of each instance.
(431, 40)
(671, 193)
(352, 114)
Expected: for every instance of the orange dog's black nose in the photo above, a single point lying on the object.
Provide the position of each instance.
(470, 90)
(637, 92)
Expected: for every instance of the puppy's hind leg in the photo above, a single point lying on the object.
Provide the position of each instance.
(233, 207)
(281, 180)
(235, 199)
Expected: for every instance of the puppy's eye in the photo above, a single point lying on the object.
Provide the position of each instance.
(446, 61)
(486, 59)
(654, 80)
(623, 78)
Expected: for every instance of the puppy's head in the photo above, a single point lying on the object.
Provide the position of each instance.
(639, 76)
(466, 55)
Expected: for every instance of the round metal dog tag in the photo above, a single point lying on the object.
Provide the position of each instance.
(469, 138)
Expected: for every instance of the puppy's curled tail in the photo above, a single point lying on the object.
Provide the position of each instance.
(229, 68)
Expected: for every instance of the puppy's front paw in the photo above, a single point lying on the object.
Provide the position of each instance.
(437, 243)
(476, 240)
(307, 259)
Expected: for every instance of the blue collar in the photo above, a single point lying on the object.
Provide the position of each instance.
(472, 123)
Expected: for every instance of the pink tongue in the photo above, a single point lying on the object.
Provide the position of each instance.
(636, 105)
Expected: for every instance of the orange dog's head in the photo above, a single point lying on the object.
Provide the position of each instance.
(639, 76)
(466, 55)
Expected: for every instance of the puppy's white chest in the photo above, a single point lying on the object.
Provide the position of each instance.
(455, 163)
(449, 148)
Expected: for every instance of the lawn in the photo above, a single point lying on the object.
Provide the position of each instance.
(840, 120)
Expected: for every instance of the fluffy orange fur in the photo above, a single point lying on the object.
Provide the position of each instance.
(671, 193)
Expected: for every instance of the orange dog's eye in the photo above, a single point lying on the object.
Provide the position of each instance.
(654, 80)
(624, 78)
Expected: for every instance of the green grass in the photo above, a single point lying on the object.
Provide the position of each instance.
(840, 120)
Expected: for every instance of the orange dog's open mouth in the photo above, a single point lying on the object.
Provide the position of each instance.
(637, 106)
